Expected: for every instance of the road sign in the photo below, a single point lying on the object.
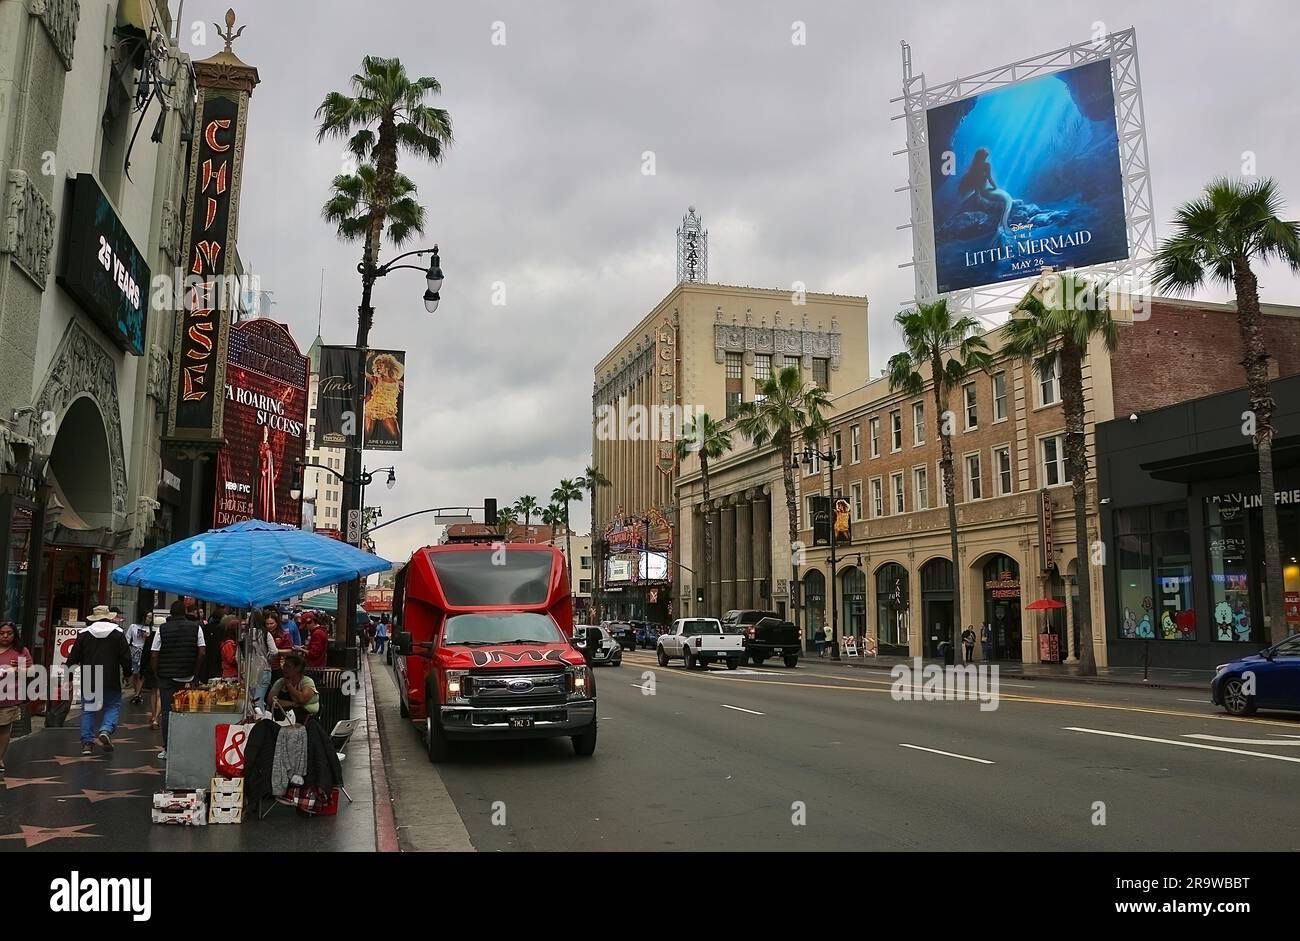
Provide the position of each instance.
(354, 527)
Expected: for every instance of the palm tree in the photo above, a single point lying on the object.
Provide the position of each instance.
(1217, 237)
(526, 506)
(553, 516)
(591, 480)
(563, 495)
(1054, 324)
(506, 517)
(710, 439)
(386, 113)
(950, 350)
(787, 410)
(351, 206)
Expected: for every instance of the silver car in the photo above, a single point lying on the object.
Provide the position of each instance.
(606, 652)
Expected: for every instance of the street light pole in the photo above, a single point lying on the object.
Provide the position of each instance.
(350, 591)
(831, 458)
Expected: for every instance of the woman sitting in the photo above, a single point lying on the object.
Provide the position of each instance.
(295, 690)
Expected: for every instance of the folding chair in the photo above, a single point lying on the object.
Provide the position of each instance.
(339, 737)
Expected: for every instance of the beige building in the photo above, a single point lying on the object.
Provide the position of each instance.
(322, 488)
(698, 351)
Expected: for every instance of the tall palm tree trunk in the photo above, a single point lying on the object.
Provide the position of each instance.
(1255, 360)
(792, 509)
(949, 489)
(1076, 460)
(708, 530)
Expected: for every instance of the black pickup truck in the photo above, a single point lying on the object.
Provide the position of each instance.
(766, 633)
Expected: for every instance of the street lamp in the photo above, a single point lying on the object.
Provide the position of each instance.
(831, 457)
(364, 479)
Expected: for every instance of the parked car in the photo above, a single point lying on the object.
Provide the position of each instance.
(647, 634)
(772, 637)
(699, 641)
(742, 621)
(1269, 679)
(599, 646)
(625, 634)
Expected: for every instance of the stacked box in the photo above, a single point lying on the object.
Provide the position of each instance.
(192, 817)
(233, 814)
(178, 801)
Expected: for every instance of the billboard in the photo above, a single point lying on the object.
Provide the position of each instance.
(340, 372)
(266, 426)
(103, 269)
(1027, 175)
(385, 384)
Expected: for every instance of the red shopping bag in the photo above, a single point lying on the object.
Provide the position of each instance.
(231, 739)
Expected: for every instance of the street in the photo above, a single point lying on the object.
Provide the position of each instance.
(723, 760)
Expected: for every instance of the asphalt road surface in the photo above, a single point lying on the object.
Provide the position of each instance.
(822, 757)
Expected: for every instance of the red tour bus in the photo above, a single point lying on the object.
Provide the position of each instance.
(482, 646)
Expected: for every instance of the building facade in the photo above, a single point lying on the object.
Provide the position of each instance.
(324, 489)
(90, 219)
(698, 351)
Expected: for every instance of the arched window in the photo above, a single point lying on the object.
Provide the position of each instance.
(892, 615)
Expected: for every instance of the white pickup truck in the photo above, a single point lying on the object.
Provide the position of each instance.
(698, 641)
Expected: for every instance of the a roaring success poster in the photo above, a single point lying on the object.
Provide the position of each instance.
(265, 425)
(1027, 176)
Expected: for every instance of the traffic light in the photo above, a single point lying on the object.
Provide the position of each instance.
(490, 512)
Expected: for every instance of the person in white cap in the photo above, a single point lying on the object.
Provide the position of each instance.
(104, 655)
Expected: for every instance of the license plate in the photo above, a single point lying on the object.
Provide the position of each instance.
(776, 652)
(521, 722)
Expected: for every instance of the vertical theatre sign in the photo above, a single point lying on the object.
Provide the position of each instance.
(266, 402)
(201, 338)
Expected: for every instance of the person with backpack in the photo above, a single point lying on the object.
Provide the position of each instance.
(178, 653)
(968, 643)
(104, 656)
(14, 658)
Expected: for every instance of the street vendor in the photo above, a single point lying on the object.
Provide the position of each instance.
(295, 690)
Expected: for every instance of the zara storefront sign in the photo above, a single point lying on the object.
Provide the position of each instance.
(103, 270)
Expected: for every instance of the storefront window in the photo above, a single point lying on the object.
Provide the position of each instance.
(1134, 565)
(855, 602)
(891, 608)
(1230, 581)
(20, 546)
(814, 595)
(1176, 609)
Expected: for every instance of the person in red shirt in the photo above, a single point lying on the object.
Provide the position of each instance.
(318, 643)
(230, 647)
(283, 642)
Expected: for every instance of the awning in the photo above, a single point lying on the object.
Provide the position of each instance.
(1226, 463)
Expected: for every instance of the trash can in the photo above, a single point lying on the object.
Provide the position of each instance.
(335, 689)
(948, 652)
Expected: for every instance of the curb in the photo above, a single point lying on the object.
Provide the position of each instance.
(385, 822)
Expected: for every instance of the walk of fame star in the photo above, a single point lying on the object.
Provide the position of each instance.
(35, 836)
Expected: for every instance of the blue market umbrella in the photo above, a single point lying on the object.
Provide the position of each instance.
(249, 564)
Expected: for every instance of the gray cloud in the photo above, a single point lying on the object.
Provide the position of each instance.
(786, 152)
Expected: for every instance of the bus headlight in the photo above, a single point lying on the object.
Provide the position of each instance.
(456, 688)
(579, 682)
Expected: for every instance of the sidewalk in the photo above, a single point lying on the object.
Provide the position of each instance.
(1160, 677)
(54, 799)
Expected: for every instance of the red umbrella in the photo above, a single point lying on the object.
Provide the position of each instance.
(1045, 604)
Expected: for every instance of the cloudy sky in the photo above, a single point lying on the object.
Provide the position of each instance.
(785, 150)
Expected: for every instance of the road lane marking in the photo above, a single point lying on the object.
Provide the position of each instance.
(935, 751)
(738, 709)
(1242, 741)
(1203, 702)
(1174, 741)
(1005, 697)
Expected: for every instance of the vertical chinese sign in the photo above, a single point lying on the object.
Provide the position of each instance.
(199, 349)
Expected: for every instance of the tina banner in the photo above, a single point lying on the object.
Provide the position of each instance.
(385, 383)
(1027, 176)
(266, 426)
(340, 375)
(821, 520)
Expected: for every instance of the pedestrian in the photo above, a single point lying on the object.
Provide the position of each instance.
(262, 652)
(986, 640)
(137, 635)
(230, 647)
(178, 651)
(968, 642)
(104, 655)
(14, 659)
(318, 645)
(819, 641)
(283, 642)
(213, 635)
(291, 628)
(381, 637)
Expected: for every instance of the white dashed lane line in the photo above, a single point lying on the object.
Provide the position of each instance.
(947, 754)
(738, 709)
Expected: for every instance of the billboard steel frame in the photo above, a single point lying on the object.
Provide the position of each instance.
(987, 302)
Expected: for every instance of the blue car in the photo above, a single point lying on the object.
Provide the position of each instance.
(1269, 679)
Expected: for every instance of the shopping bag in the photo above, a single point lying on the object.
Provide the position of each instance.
(231, 739)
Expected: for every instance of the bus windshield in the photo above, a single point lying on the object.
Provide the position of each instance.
(520, 627)
(475, 578)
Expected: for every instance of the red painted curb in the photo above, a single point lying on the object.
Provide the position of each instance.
(385, 822)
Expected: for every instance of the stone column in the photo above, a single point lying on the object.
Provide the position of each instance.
(714, 594)
(727, 556)
(699, 579)
(762, 566)
(745, 554)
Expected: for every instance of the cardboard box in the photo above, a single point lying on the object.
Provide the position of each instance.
(193, 817)
(180, 800)
(226, 814)
(225, 801)
(227, 787)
